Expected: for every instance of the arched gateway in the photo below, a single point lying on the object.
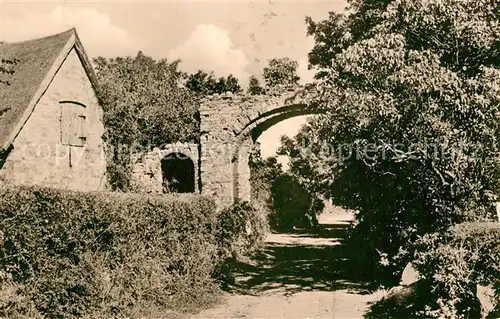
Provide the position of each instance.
(230, 124)
(218, 165)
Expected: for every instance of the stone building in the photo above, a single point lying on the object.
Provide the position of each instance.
(50, 119)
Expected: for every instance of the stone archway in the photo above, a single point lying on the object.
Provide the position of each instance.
(149, 166)
(230, 124)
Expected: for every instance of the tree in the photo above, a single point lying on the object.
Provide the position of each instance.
(282, 71)
(291, 202)
(201, 82)
(331, 36)
(310, 164)
(204, 83)
(230, 85)
(286, 199)
(262, 174)
(310, 158)
(144, 105)
(371, 17)
(254, 87)
(412, 90)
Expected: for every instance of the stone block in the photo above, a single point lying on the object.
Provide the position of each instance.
(410, 275)
(487, 299)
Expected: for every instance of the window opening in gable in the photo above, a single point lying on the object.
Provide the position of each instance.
(73, 123)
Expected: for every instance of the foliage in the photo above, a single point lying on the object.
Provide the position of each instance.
(464, 34)
(310, 158)
(412, 89)
(203, 83)
(310, 162)
(280, 71)
(254, 87)
(144, 105)
(263, 173)
(457, 260)
(296, 193)
(241, 231)
(67, 254)
(331, 36)
(451, 264)
(292, 203)
(288, 203)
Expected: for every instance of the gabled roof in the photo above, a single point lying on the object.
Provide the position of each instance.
(26, 71)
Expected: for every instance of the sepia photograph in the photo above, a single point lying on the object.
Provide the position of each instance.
(268, 159)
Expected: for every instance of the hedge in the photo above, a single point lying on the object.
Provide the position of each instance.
(67, 254)
(241, 230)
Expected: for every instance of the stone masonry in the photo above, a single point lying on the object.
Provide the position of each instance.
(147, 176)
(39, 157)
(230, 124)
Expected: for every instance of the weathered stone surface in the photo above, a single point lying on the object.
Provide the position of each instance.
(410, 275)
(226, 125)
(487, 299)
(38, 156)
(147, 176)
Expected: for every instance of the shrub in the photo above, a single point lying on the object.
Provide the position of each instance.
(241, 229)
(263, 173)
(281, 196)
(292, 203)
(455, 262)
(72, 254)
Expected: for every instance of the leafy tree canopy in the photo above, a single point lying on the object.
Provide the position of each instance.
(463, 34)
(309, 158)
(280, 71)
(204, 83)
(144, 103)
(254, 87)
(413, 91)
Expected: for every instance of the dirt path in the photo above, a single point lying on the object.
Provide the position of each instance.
(298, 275)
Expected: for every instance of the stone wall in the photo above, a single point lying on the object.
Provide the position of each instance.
(228, 124)
(147, 175)
(38, 155)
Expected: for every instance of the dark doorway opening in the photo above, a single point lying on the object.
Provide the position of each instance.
(178, 173)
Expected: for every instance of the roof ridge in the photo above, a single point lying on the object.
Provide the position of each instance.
(68, 31)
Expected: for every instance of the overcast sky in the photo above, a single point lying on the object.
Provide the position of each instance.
(224, 36)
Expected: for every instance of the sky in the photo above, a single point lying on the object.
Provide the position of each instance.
(227, 37)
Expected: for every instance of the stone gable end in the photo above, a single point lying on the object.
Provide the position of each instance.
(39, 155)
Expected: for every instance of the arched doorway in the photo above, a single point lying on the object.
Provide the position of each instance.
(178, 173)
(229, 126)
